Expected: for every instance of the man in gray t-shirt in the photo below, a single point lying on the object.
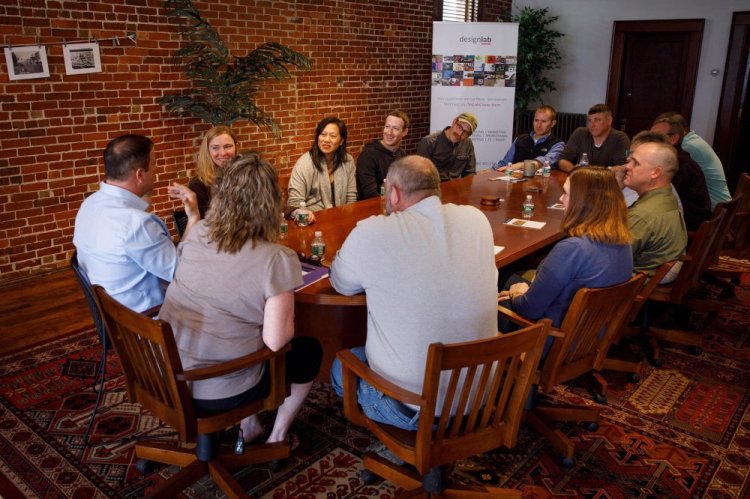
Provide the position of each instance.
(404, 262)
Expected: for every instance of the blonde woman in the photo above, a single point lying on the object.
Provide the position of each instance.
(218, 146)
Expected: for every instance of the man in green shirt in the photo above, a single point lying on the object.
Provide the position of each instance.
(659, 233)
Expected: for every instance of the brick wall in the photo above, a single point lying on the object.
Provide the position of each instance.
(367, 56)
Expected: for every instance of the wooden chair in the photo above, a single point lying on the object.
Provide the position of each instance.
(580, 346)
(155, 379)
(737, 244)
(681, 291)
(487, 380)
(101, 370)
(722, 271)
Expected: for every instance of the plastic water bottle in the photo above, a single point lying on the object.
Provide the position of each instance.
(318, 247)
(584, 160)
(283, 227)
(546, 169)
(303, 215)
(528, 207)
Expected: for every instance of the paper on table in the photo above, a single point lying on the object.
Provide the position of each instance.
(528, 224)
(557, 206)
(498, 249)
(506, 178)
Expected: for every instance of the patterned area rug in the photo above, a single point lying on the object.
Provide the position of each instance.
(683, 431)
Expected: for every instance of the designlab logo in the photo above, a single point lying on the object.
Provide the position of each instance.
(476, 40)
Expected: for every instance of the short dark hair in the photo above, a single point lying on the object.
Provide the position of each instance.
(646, 136)
(677, 123)
(600, 109)
(126, 154)
(397, 113)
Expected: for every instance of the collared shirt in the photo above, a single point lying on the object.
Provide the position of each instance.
(553, 153)
(659, 233)
(123, 248)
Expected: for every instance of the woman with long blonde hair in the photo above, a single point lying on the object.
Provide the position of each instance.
(219, 145)
(596, 252)
(233, 294)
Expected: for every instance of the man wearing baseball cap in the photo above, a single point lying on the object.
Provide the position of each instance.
(451, 149)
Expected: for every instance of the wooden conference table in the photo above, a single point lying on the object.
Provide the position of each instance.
(339, 321)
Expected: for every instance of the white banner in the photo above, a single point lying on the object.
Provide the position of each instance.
(474, 69)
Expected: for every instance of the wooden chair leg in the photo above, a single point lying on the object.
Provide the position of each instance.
(557, 438)
(180, 481)
(167, 454)
(225, 481)
(401, 476)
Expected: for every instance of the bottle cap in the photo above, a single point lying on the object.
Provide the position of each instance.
(318, 233)
(528, 196)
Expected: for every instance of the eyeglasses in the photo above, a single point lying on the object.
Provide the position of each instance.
(464, 132)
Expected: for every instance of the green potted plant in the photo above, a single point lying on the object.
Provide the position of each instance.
(537, 53)
(223, 85)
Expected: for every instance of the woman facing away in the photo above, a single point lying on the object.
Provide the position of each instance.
(325, 175)
(233, 293)
(218, 146)
(595, 254)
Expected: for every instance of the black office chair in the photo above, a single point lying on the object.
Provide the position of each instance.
(101, 370)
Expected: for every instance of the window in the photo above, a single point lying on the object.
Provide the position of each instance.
(460, 10)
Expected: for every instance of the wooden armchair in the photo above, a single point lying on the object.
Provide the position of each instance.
(580, 346)
(737, 243)
(733, 230)
(487, 380)
(680, 291)
(155, 379)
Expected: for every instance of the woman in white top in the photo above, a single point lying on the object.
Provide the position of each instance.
(324, 176)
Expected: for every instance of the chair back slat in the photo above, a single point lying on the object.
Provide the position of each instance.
(151, 363)
(591, 323)
(486, 382)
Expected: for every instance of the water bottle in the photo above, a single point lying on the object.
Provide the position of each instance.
(546, 169)
(584, 160)
(528, 207)
(283, 227)
(303, 215)
(318, 247)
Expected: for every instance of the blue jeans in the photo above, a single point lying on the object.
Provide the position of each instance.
(375, 405)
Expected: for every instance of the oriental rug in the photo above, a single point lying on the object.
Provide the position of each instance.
(683, 432)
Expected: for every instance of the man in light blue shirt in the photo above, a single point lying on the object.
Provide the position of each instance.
(540, 145)
(120, 245)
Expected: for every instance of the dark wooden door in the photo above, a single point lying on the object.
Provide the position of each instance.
(732, 137)
(653, 70)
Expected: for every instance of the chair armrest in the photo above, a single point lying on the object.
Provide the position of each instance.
(351, 362)
(514, 317)
(152, 312)
(233, 365)
(523, 321)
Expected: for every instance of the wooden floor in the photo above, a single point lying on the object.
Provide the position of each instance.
(40, 309)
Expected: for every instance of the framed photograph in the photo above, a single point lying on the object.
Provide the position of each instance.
(82, 58)
(27, 62)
